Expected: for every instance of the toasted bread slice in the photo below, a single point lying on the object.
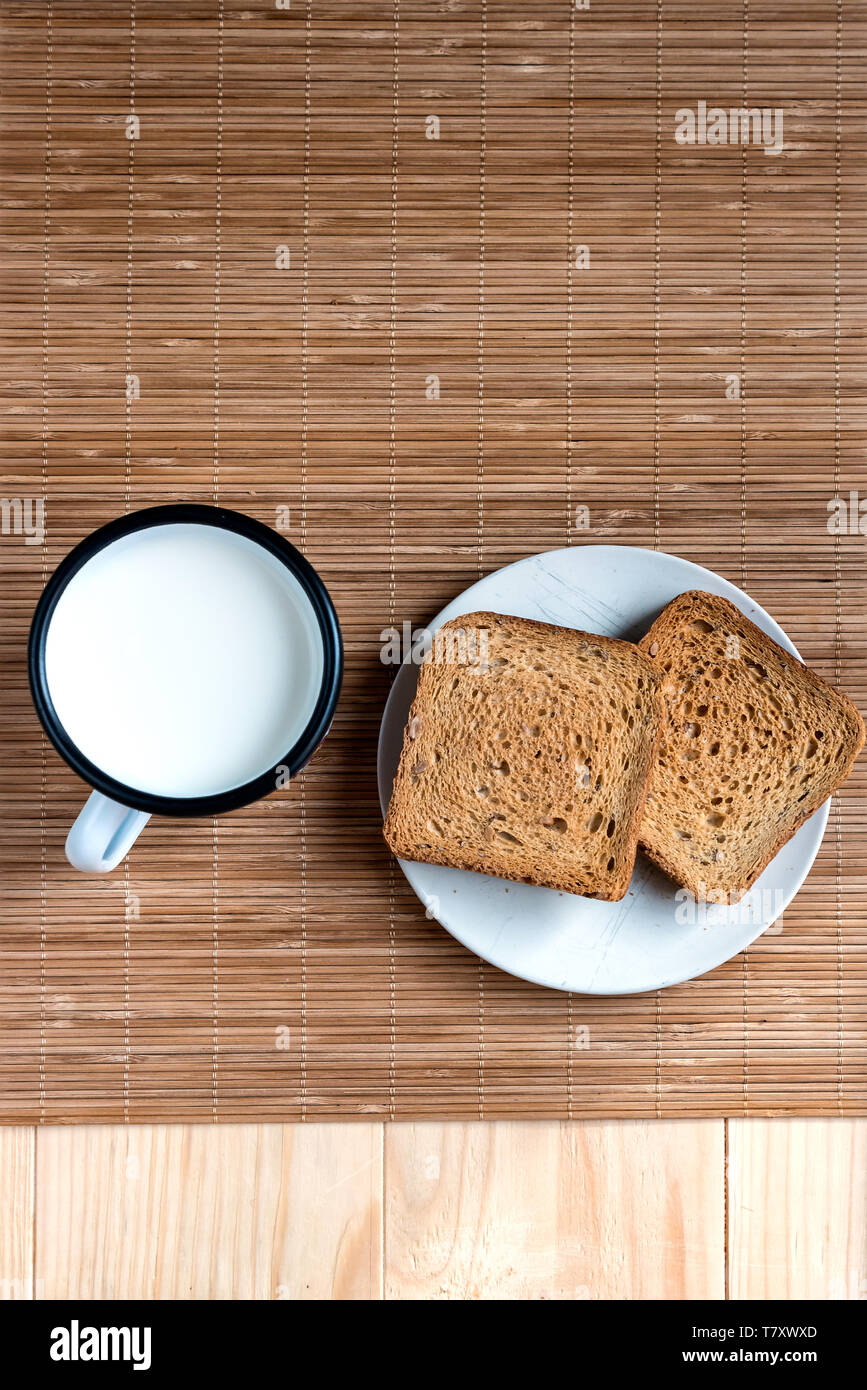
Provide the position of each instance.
(531, 762)
(754, 742)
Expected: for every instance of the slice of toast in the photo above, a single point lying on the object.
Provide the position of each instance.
(532, 761)
(754, 742)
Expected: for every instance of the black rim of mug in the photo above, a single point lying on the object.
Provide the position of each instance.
(318, 725)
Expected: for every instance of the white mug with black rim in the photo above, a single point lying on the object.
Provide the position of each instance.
(184, 660)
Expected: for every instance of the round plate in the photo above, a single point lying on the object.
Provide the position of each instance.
(656, 936)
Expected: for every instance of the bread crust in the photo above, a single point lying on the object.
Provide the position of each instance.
(396, 829)
(696, 605)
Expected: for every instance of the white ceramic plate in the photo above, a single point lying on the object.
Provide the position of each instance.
(655, 936)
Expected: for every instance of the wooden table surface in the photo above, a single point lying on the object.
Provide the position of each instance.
(616, 1209)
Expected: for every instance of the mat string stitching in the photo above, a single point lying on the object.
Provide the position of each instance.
(838, 617)
(480, 465)
(743, 452)
(305, 426)
(657, 325)
(570, 271)
(43, 775)
(392, 464)
(127, 502)
(215, 848)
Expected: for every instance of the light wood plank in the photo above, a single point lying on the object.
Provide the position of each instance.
(798, 1208)
(623, 1209)
(17, 1145)
(185, 1211)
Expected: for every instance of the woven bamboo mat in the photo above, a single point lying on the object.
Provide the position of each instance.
(432, 277)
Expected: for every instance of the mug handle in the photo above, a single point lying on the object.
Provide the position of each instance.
(104, 832)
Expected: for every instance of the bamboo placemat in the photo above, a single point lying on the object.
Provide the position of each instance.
(418, 282)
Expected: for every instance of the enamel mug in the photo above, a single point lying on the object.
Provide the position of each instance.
(184, 660)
